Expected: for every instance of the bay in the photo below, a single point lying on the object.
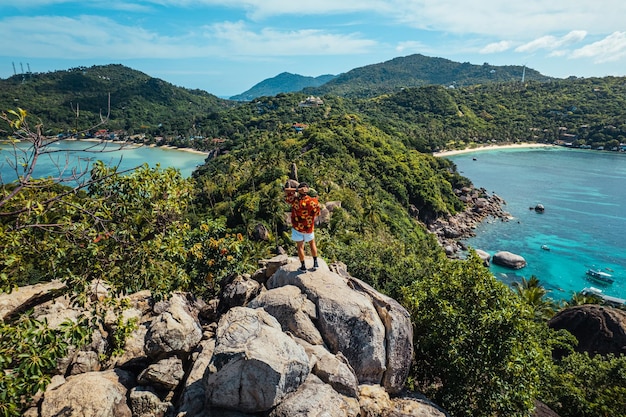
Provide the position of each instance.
(73, 153)
(583, 224)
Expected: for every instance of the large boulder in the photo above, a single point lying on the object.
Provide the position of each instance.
(192, 399)
(174, 331)
(25, 297)
(92, 394)
(347, 320)
(374, 401)
(509, 260)
(598, 329)
(255, 365)
(484, 256)
(237, 291)
(293, 311)
(314, 398)
(398, 335)
(334, 370)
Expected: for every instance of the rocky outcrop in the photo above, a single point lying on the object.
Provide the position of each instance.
(484, 256)
(92, 394)
(509, 260)
(25, 297)
(599, 330)
(279, 343)
(451, 229)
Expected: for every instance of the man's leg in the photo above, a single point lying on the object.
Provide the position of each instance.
(300, 247)
(314, 252)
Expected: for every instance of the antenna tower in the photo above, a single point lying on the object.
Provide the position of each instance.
(14, 72)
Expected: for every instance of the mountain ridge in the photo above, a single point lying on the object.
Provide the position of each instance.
(391, 76)
(285, 82)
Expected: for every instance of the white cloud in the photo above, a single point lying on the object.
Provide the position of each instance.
(611, 48)
(409, 47)
(511, 19)
(272, 42)
(496, 47)
(98, 37)
(553, 42)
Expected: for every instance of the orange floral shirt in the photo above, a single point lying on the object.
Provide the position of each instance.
(303, 212)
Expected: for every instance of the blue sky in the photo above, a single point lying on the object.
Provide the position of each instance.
(226, 46)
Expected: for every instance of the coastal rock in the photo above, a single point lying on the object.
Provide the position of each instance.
(347, 321)
(484, 256)
(599, 330)
(509, 260)
(306, 347)
(480, 205)
(254, 365)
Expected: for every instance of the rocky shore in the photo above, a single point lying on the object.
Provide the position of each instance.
(278, 343)
(450, 230)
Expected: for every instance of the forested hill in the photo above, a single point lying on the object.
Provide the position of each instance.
(583, 111)
(138, 102)
(419, 70)
(284, 82)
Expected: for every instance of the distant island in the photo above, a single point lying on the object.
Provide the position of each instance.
(282, 83)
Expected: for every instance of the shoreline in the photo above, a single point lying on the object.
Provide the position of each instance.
(174, 148)
(138, 145)
(491, 148)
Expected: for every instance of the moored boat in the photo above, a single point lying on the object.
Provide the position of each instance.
(600, 276)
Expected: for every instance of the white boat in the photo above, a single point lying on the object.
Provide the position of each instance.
(598, 292)
(600, 276)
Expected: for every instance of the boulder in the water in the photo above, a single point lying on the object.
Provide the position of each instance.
(509, 260)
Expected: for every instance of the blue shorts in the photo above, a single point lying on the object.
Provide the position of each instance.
(299, 236)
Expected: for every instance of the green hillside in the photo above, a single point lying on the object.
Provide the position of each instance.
(419, 70)
(77, 98)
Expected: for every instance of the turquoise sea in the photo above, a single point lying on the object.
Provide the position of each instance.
(583, 225)
(185, 161)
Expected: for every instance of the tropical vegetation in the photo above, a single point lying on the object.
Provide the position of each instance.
(482, 348)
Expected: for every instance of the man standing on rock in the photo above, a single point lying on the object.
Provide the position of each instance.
(304, 209)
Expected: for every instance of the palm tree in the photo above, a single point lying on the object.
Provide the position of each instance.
(535, 295)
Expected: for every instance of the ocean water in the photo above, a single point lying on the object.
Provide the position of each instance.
(70, 152)
(584, 222)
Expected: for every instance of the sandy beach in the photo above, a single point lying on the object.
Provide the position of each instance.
(491, 147)
(180, 149)
(137, 145)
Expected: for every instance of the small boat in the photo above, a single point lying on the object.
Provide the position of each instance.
(545, 247)
(599, 276)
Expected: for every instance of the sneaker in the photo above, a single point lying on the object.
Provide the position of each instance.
(302, 268)
(315, 265)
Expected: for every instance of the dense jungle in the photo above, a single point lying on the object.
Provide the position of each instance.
(481, 348)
